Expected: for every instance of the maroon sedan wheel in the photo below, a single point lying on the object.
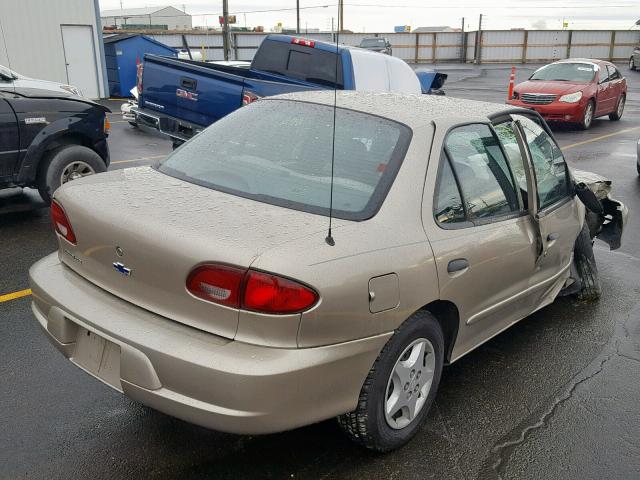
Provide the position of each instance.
(587, 116)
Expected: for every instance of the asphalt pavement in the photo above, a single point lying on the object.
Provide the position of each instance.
(555, 396)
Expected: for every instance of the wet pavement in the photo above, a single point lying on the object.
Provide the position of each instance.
(555, 396)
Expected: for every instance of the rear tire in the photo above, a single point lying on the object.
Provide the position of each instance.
(369, 425)
(587, 116)
(64, 164)
(632, 64)
(585, 264)
(617, 115)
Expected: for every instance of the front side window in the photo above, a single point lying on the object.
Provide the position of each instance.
(279, 152)
(552, 179)
(614, 74)
(482, 170)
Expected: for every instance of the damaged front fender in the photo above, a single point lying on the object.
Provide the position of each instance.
(607, 225)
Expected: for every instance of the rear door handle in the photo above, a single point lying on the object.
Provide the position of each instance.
(457, 265)
(188, 83)
(552, 237)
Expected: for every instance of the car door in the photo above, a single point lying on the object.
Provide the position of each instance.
(9, 139)
(616, 82)
(482, 237)
(558, 216)
(604, 97)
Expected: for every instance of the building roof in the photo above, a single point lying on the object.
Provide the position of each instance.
(131, 12)
(413, 110)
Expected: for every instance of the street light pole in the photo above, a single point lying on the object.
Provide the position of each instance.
(225, 28)
(298, 17)
(341, 16)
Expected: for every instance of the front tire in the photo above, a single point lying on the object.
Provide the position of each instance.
(587, 116)
(585, 263)
(617, 115)
(632, 64)
(400, 388)
(65, 164)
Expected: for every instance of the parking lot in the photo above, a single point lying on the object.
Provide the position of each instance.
(556, 396)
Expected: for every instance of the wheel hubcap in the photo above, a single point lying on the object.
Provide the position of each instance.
(620, 106)
(75, 170)
(588, 114)
(409, 383)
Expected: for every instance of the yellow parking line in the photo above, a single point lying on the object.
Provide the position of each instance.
(155, 157)
(14, 295)
(602, 137)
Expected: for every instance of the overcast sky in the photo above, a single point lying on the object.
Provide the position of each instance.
(383, 15)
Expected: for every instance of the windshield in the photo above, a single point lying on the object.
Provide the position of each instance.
(279, 152)
(566, 72)
(373, 42)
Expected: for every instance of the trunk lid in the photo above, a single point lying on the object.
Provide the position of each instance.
(141, 232)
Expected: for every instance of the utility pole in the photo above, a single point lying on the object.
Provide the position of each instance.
(225, 29)
(463, 44)
(341, 16)
(298, 17)
(477, 54)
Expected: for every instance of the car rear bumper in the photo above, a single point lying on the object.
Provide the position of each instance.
(193, 375)
(555, 111)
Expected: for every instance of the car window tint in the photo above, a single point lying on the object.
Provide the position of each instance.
(298, 61)
(279, 152)
(482, 171)
(448, 204)
(507, 137)
(548, 163)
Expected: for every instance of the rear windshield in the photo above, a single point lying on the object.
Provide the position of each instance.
(566, 72)
(279, 152)
(373, 42)
(298, 61)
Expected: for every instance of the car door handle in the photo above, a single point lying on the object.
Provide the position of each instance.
(188, 83)
(457, 265)
(552, 237)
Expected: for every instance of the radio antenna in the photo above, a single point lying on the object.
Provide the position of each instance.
(329, 239)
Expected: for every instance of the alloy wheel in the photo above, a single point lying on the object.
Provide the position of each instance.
(588, 115)
(409, 383)
(620, 108)
(75, 170)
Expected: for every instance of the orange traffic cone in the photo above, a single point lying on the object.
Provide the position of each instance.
(512, 81)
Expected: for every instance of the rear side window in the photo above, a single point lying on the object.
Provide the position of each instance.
(309, 64)
(483, 173)
(279, 152)
(448, 205)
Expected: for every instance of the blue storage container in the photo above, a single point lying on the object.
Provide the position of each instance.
(122, 54)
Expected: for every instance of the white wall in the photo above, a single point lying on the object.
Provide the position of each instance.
(32, 31)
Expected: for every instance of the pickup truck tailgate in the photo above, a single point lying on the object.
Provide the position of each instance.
(192, 92)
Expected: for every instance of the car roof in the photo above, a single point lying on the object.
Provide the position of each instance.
(412, 110)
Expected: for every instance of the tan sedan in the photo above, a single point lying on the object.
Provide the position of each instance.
(206, 287)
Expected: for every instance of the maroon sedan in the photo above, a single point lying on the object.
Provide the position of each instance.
(574, 91)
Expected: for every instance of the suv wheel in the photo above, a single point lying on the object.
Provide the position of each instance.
(400, 388)
(585, 263)
(65, 164)
(617, 115)
(587, 116)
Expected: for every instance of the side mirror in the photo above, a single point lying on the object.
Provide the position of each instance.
(589, 198)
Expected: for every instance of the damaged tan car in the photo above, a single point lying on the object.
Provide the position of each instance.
(206, 287)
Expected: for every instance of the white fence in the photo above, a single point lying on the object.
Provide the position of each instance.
(489, 46)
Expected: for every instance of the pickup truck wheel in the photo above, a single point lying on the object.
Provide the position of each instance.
(585, 264)
(65, 164)
(400, 388)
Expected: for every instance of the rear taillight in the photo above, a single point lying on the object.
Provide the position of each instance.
(249, 97)
(140, 68)
(106, 125)
(217, 283)
(304, 42)
(250, 290)
(61, 223)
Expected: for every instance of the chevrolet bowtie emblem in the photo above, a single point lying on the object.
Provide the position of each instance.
(122, 269)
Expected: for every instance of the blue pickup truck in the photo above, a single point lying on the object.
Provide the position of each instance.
(182, 97)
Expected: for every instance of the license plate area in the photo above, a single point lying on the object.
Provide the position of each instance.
(98, 357)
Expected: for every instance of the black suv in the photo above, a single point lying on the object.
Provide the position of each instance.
(377, 44)
(49, 138)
